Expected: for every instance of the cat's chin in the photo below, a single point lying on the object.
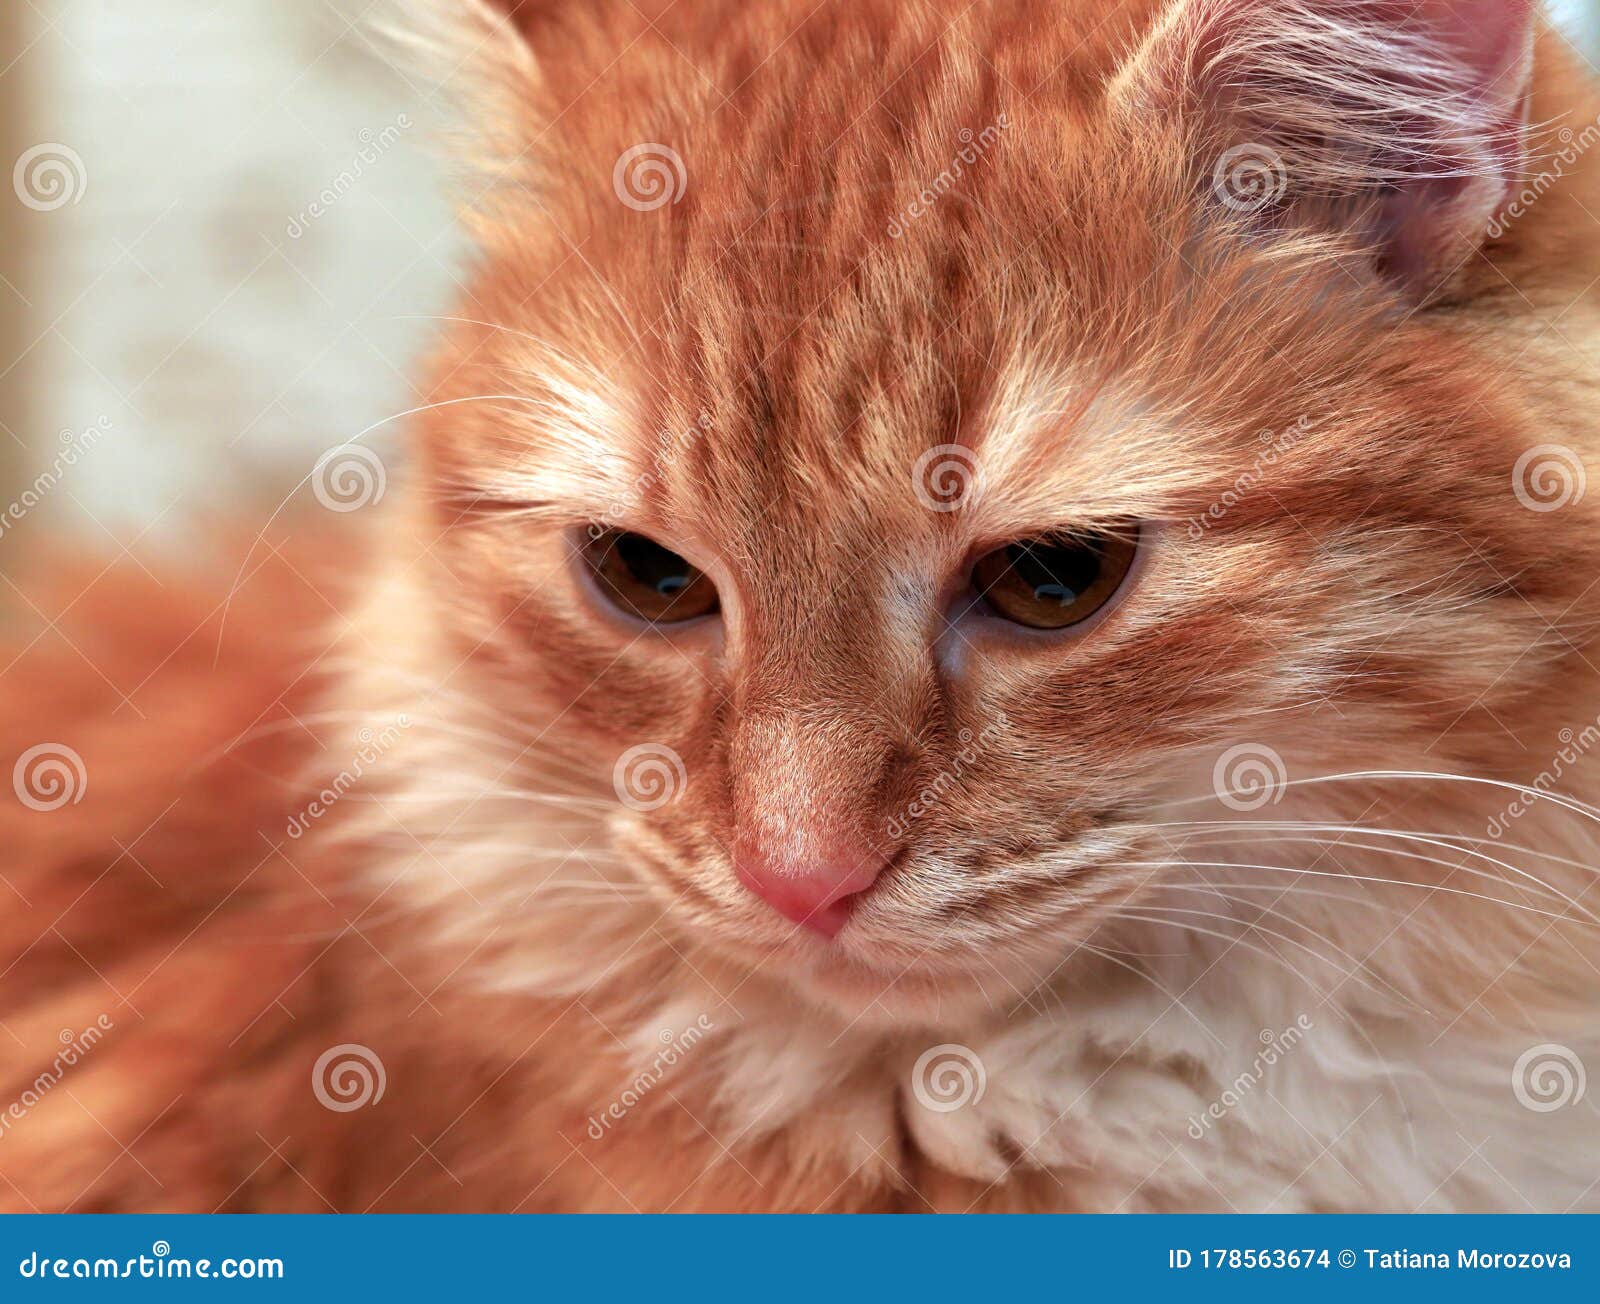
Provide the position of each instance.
(850, 989)
(869, 999)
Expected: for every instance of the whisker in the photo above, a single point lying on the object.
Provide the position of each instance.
(1122, 912)
(1362, 878)
(1291, 941)
(1569, 803)
(1226, 892)
(1111, 958)
(1227, 829)
(1402, 853)
(527, 796)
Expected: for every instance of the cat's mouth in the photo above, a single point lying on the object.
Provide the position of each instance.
(877, 974)
(903, 954)
(857, 983)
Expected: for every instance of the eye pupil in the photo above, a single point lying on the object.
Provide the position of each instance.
(646, 579)
(1051, 583)
(649, 563)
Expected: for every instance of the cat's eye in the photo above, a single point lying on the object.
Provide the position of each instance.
(1056, 581)
(644, 579)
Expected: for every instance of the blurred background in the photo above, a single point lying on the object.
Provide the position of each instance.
(224, 236)
(224, 231)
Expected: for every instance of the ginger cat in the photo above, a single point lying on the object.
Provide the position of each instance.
(995, 610)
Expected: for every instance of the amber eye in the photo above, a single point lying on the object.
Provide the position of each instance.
(1054, 582)
(646, 580)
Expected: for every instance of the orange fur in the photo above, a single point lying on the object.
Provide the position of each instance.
(750, 375)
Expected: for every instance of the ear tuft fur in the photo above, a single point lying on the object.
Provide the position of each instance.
(1406, 120)
(471, 56)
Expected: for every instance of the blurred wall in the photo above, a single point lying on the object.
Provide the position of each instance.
(231, 281)
(15, 260)
(1580, 19)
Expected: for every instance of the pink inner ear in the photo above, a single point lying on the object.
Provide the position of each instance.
(1491, 39)
(1486, 35)
(1403, 116)
(1401, 77)
(1453, 190)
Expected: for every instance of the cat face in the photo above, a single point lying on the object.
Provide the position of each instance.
(903, 492)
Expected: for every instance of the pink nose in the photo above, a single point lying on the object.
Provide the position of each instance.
(816, 891)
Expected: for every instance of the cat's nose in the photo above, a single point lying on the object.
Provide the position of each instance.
(815, 890)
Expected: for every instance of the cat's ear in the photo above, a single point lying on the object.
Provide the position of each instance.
(465, 31)
(1404, 121)
(526, 16)
(473, 59)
